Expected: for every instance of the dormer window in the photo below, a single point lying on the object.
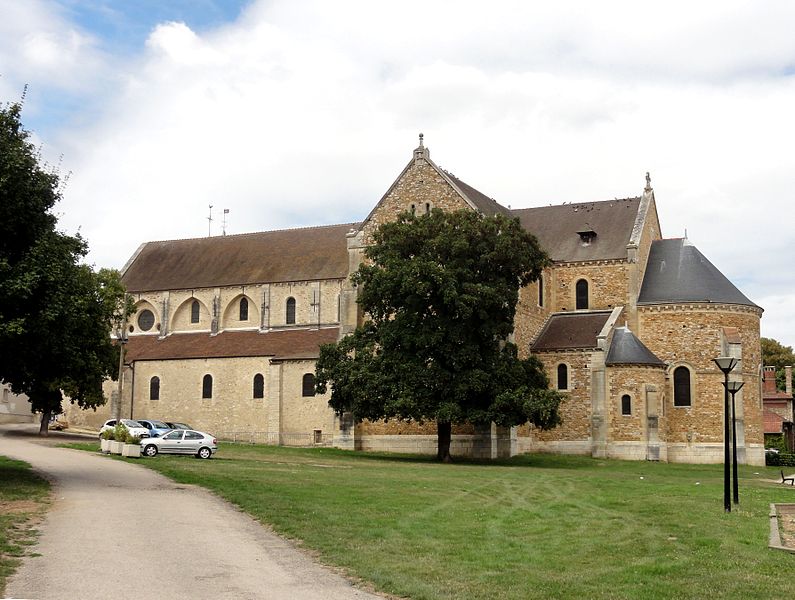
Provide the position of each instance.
(586, 237)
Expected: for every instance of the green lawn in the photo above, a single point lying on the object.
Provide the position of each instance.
(537, 526)
(23, 499)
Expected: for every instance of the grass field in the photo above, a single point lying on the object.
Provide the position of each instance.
(23, 499)
(537, 526)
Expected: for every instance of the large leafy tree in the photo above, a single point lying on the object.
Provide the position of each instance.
(55, 312)
(440, 294)
(775, 354)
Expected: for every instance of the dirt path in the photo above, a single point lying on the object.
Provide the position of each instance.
(118, 530)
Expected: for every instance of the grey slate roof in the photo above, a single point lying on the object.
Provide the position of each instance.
(271, 256)
(556, 228)
(627, 349)
(488, 206)
(565, 331)
(677, 272)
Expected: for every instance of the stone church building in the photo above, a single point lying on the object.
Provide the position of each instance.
(227, 329)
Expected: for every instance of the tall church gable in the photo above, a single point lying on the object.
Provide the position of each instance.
(309, 254)
(678, 273)
(292, 344)
(423, 186)
(588, 231)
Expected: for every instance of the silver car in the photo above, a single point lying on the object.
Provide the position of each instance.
(181, 441)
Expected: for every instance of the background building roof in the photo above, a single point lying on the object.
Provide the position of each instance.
(291, 343)
(677, 272)
(558, 228)
(271, 256)
(571, 330)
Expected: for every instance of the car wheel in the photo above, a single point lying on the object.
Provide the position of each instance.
(204, 453)
(150, 450)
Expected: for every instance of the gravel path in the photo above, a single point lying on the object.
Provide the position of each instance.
(118, 530)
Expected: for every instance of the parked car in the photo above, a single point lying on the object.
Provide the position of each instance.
(181, 441)
(134, 427)
(156, 428)
(175, 425)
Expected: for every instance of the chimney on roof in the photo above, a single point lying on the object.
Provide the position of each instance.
(788, 379)
(769, 380)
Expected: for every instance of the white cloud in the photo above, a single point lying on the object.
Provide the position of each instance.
(303, 113)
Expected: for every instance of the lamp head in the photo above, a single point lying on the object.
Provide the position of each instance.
(725, 363)
(734, 386)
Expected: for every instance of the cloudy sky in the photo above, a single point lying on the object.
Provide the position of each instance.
(292, 113)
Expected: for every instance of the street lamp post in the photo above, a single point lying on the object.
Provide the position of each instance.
(726, 364)
(734, 387)
(121, 339)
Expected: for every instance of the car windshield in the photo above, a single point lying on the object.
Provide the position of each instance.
(159, 425)
(130, 423)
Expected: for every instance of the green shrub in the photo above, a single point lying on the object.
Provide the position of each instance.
(132, 439)
(782, 459)
(120, 432)
(107, 434)
(775, 440)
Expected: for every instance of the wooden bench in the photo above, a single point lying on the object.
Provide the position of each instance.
(786, 479)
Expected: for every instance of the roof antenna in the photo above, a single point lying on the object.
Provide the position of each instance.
(648, 182)
(210, 222)
(223, 226)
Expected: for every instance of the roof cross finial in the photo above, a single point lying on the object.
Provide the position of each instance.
(648, 182)
(421, 137)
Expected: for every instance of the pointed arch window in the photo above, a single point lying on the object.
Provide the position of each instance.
(682, 387)
(290, 317)
(243, 309)
(581, 290)
(259, 386)
(563, 377)
(154, 388)
(308, 385)
(207, 386)
(194, 311)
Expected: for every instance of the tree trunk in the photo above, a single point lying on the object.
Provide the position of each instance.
(45, 423)
(444, 434)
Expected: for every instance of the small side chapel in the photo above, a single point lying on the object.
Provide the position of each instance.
(227, 330)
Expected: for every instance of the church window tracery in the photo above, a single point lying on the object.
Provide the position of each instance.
(146, 320)
(243, 309)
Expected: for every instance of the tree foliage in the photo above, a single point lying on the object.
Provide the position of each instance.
(775, 354)
(55, 313)
(440, 293)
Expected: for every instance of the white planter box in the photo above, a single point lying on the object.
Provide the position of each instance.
(104, 445)
(115, 447)
(131, 450)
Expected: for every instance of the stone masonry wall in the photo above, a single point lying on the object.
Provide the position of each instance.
(577, 407)
(690, 335)
(607, 284)
(634, 381)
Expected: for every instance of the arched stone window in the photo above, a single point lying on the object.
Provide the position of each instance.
(259, 386)
(581, 291)
(626, 405)
(207, 386)
(195, 309)
(154, 388)
(290, 317)
(308, 385)
(243, 309)
(563, 377)
(682, 387)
